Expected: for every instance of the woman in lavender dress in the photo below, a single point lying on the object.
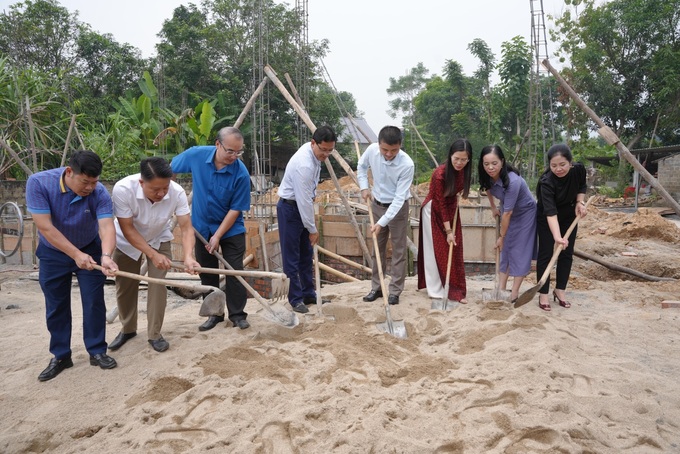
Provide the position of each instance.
(518, 215)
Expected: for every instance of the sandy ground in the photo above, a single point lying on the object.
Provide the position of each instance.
(601, 377)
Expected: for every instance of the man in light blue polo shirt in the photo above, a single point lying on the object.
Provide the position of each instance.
(392, 171)
(74, 216)
(221, 192)
(295, 214)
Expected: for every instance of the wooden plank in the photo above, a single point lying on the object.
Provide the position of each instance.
(338, 229)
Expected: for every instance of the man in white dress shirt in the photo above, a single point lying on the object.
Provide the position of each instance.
(295, 215)
(144, 204)
(392, 171)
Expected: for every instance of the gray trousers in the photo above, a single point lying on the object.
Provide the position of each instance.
(397, 228)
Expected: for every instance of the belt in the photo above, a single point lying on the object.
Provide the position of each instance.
(290, 202)
(384, 205)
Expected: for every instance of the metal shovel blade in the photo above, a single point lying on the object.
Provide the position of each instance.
(491, 294)
(213, 304)
(394, 327)
(443, 304)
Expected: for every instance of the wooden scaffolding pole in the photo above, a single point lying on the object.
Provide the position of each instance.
(612, 139)
(16, 157)
(303, 115)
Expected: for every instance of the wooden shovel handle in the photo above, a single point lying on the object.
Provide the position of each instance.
(448, 265)
(248, 273)
(155, 280)
(377, 257)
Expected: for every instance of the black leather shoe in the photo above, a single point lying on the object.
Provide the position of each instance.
(103, 360)
(312, 300)
(212, 322)
(120, 340)
(243, 324)
(54, 368)
(160, 344)
(373, 295)
(393, 299)
(301, 308)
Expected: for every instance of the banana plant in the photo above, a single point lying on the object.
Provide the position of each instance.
(201, 124)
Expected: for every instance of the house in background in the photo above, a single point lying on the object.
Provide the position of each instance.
(662, 162)
(356, 131)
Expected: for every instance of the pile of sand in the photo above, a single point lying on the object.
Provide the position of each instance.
(599, 377)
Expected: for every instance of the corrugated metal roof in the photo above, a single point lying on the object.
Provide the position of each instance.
(351, 133)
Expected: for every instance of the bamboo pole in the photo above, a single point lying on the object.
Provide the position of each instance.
(16, 157)
(68, 140)
(356, 125)
(356, 265)
(241, 118)
(622, 269)
(263, 243)
(337, 273)
(303, 115)
(424, 144)
(295, 92)
(31, 139)
(612, 139)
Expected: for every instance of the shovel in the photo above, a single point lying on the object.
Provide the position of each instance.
(443, 304)
(213, 303)
(496, 295)
(529, 294)
(279, 281)
(281, 316)
(394, 327)
(317, 278)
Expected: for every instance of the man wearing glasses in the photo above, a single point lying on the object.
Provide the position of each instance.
(295, 215)
(392, 172)
(221, 192)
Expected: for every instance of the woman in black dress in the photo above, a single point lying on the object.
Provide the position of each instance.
(561, 193)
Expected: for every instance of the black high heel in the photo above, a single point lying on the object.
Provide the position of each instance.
(565, 304)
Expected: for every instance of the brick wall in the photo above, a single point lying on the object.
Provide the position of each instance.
(669, 175)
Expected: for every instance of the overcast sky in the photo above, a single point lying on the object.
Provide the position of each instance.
(370, 41)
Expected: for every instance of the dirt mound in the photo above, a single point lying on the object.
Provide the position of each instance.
(346, 183)
(643, 224)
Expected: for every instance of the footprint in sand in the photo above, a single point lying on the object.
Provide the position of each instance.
(275, 438)
(579, 385)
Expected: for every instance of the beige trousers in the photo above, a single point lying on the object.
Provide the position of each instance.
(127, 293)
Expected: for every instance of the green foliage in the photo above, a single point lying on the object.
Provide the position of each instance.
(40, 35)
(30, 101)
(624, 57)
(405, 89)
(514, 70)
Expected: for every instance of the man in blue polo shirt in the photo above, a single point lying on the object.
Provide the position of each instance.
(221, 192)
(74, 216)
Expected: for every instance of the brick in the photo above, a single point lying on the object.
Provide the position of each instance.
(668, 304)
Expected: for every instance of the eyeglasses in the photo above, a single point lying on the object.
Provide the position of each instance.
(461, 160)
(231, 152)
(324, 150)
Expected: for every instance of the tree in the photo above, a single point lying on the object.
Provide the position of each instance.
(624, 58)
(514, 70)
(405, 89)
(105, 71)
(39, 34)
(487, 59)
